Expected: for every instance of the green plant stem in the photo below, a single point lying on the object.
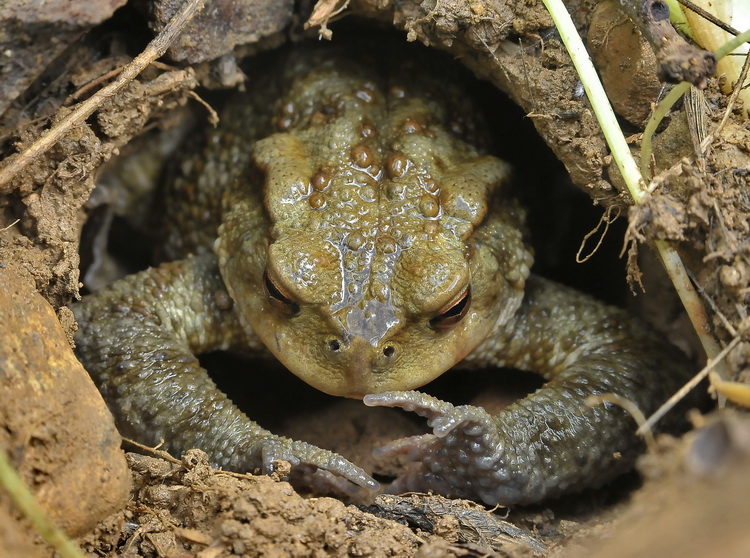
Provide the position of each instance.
(661, 111)
(33, 511)
(672, 97)
(691, 301)
(628, 167)
(598, 98)
(732, 44)
(677, 18)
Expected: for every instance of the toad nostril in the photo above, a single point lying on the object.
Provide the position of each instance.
(334, 345)
(389, 351)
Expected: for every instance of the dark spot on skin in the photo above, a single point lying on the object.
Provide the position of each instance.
(287, 122)
(223, 300)
(429, 206)
(411, 126)
(321, 180)
(317, 200)
(362, 156)
(368, 129)
(317, 119)
(397, 165)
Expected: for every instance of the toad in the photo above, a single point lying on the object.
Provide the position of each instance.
(346, 218)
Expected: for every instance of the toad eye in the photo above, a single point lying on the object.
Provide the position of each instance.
(281, 301)
(452, 313)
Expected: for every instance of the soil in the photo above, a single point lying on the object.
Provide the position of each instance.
(690, 502)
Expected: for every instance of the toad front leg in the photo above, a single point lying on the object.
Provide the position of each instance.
(138, 340)
(551, 442)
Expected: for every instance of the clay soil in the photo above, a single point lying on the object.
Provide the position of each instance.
(689, 495)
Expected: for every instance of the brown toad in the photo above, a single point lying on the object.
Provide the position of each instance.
(370, 245)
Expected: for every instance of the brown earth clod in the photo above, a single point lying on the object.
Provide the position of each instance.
(53, 421)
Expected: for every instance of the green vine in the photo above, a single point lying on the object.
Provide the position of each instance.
(668, 102)
(630, 171)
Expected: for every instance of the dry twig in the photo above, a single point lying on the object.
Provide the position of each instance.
(684, 390)
(161, 454)
(155, 49)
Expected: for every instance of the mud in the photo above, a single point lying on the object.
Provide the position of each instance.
(58, 433)
(700, 205)
(31, 38)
